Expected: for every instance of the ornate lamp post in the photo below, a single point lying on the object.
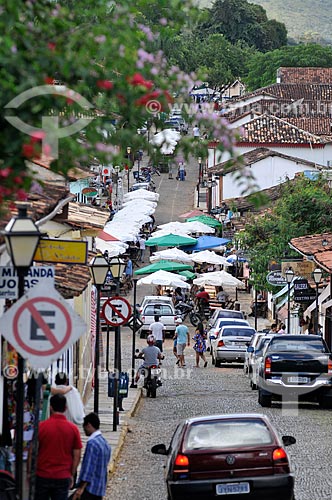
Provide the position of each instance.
(99, 269)
(200, 174)
(22, 237)
(317, 276)
(289, 278)
(116, 268)
(209, 186)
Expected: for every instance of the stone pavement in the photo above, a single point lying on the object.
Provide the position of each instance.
(176, 197)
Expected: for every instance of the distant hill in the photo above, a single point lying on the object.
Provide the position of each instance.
(305, 20)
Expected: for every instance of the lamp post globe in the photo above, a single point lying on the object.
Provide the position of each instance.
(317, 276)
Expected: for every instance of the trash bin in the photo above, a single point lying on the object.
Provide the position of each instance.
(237, 306)
(123, 384)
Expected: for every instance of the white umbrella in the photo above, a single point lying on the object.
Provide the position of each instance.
(137, 202)
(218, 278)
(187, 227)
(113, 248)
(164, 278)
(174, 254)
(208, 257)
(164, 232)
(141, 193)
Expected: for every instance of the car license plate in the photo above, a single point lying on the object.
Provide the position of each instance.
(232, 488)
(155, 372)
(298, 380)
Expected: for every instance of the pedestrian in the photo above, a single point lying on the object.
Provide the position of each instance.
(157, 329)
(75, 408)
(196, 132)
(92, 480)
(181, 171)
(282, 328)
(59, 453)
(175, 351)
(141, 241)
(274, 328)
(129, 268)
(200, 344)
(222, 297)
(182, 338)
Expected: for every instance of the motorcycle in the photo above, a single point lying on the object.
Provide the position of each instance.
(198, 315)
(182, 309)
(151, 379)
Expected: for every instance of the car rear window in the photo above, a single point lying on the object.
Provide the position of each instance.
(230, 314)
(226, 322)
(227, 434)
(158, 309)
(295, 345)
(237, 332)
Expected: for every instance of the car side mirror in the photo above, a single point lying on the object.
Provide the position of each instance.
(250, 349)
(159, 449)
(288, 440)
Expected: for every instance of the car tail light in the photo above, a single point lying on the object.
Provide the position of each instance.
(267, 365)
(181, 467)
(143, 319)
(221, 343)
(329, 367)
(280, 461)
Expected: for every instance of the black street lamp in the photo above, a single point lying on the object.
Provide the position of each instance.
(117, 267)
(133, 346)
(22, 237)
(129, 160)
(99, 269)
(209, 186)
(317, 276)
(200, 171)
(289, 278)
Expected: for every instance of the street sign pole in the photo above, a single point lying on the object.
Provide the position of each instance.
(19, 404)
(97, 355)
(134, 337)
(116, 370)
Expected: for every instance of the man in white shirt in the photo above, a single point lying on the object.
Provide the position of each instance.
(196, 132)
(157, 329)
(141, 242)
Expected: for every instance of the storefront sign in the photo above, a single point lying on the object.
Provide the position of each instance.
(36, 275)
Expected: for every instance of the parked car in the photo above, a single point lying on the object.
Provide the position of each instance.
(230, 455)
(164, 310)
(231, 344)
(213, 333)
(165, 299)
(224, 313)
(247, 366)
(296, 367)
(257, 358)
(149, 186)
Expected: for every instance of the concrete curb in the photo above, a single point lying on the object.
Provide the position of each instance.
(116, 450)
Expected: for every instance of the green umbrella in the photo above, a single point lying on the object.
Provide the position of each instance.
(188, 274)
(209, 221)
(170, 240)
(163, 265)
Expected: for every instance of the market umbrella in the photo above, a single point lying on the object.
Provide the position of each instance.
(218, 278)
(174, 254)
(231, 259)
(188, 274)
(164, 278)
(163, 265)
(170, 240)
(208, 257)
(192, 213)
(209, 221)
(205, 242)
(141, 193)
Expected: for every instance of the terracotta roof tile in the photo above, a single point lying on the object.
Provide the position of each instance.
(293, 91)
(304, 75)
(311, 246)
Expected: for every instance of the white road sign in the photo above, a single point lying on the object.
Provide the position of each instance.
(41, 326)
(116, 311)
(36, 275)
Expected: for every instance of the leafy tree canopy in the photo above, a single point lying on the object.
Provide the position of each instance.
(305, 207)
(263, 67)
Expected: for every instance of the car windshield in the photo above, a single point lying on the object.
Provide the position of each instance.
(225, 322)
(230, 314)
(158, 309)
(295, 345)
(237, 332)
(227, 434)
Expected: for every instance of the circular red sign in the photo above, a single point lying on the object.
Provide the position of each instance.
(117, 313)
(29, 305)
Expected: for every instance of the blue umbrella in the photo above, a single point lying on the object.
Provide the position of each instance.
(204, 242)
(233, 258)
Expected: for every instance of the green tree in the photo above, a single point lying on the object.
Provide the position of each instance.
(103, 52)
(263, 67)
(304, 208)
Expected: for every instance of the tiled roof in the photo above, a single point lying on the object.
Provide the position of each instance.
(317, 126)
(259, 154)
(293, 91)
(272, 130)
(281, 108)
(311, 246)
(304, 75)
(85, 217)
(245, 203)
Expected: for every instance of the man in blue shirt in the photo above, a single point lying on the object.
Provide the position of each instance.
(93, 474)
(182, 337)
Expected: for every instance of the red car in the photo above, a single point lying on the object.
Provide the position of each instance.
(237, 455)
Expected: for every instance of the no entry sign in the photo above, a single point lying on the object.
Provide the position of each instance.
(41, 326)
(116, 311)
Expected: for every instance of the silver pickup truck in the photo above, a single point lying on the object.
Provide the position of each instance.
(296, 367)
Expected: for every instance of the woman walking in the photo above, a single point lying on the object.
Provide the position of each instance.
(200, 344)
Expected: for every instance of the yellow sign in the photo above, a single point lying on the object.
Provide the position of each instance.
(62, 251)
